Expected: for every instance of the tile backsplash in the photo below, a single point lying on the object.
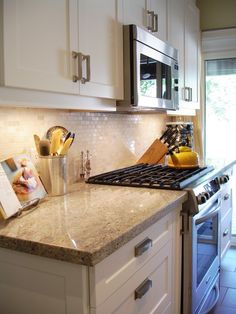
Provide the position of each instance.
(113, 140)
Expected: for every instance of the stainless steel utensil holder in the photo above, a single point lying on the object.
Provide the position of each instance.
(53, 172)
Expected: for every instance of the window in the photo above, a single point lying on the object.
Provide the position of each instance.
(220, 111)
(220, 115)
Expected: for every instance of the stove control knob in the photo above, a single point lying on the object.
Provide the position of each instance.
(224, 179)
(207, 195)
(201, 198)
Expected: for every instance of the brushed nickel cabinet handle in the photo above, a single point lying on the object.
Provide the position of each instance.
(155, 23)
(142, 289)
(88, 72)
(188, 95)
(150, 26)
(191, 94)
(142, 247)
(226, 232)
(77, 55)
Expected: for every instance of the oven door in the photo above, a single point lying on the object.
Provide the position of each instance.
(205, 251)
(155, 78)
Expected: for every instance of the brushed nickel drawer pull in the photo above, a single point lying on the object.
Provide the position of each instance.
(226, 197)
(226, 232)
(142, 247)
(142, 289)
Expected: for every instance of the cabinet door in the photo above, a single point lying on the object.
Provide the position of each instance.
(176, 35)
(146, 292)
(135, 12)
(226, 225)
(37, 45)
(192, 52)
(100, 37)
(159, 7)
(183, 34)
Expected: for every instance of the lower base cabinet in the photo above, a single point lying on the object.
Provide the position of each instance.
(226, 214)
(36, 285)
(141, 277)
(147, 291)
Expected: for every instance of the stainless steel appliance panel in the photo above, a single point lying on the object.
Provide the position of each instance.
(150, 72)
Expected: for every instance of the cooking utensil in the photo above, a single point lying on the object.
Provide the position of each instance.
(56, 141)
(154, 154)
(44, 148)
(36, 142)
(185, 158)
(55, 128)
(66, 146)
(67, 136)
(73, 137)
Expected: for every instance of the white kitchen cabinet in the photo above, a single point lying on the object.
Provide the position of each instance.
(42, 285)
(34, 285)
(159, 7)
(100, 37)
(192, 54)
(40, 36)
(116, 282)
(148, 14)
(148, 291)
(184, 34)
(135, 12)
(226, 218)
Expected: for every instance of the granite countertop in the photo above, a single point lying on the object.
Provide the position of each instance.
(88, 224)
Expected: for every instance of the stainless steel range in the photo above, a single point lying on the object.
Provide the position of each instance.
(200, 224)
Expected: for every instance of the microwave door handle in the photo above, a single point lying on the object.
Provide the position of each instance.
(207, 216)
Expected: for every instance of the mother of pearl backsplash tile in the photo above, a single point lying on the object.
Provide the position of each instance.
(114, 140)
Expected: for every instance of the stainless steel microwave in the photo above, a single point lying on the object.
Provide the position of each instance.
(150, 72)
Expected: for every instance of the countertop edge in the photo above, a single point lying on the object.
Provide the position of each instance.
(84, 257)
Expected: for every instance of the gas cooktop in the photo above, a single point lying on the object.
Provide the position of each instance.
(151, 176)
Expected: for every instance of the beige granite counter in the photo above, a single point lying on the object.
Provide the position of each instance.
(87, 225)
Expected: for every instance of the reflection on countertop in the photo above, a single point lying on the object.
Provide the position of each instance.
(89, 223)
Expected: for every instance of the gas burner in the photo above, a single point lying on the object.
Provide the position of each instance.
(150, 176)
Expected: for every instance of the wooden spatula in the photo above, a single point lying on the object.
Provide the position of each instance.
(154, 154)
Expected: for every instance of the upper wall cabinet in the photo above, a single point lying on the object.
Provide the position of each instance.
(67, 46)
(192, 54)
(184, 34)
(149, 14)
(159, 7)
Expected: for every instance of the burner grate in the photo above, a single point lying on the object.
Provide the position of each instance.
(151, 176)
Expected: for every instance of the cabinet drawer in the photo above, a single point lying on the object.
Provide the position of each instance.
(147, 291)
(116, 269)
(226, 232)
(226, 200)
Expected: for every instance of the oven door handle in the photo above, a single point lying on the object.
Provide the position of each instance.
(207, 216)
(216, 287)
